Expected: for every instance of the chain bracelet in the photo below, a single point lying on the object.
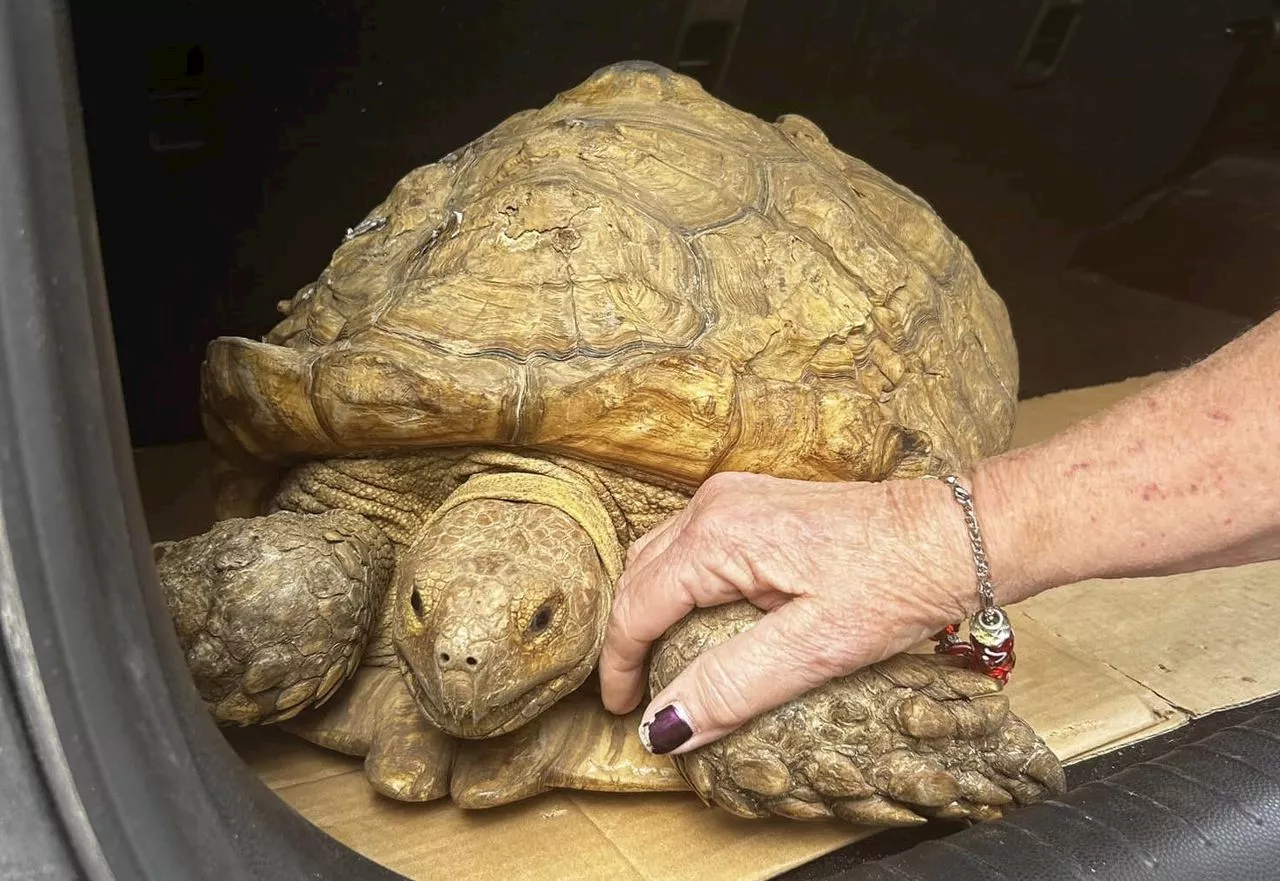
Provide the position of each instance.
(989, 648)
(981, 566)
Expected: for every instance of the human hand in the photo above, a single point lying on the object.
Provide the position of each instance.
(848, 573)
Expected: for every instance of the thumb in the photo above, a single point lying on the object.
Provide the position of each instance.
(774, 661)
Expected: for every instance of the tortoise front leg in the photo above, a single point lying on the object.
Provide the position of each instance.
(574, 744)
(273, 613)
(894, 744)
(406, 757)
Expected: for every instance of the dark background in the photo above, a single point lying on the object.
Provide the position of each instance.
(1112, 163)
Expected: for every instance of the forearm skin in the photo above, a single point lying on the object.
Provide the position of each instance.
(1182, 476)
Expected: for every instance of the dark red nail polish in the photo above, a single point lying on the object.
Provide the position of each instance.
(665, 731)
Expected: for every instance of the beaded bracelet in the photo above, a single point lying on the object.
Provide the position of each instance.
(989, 648)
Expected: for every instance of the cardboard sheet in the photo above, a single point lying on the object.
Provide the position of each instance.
(1101, 665)
(1077, 704)
(560, 835)
(1203, 641)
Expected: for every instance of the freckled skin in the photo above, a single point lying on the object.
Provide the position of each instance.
(1185, 478)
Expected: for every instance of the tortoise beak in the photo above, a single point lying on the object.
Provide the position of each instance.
(457, 693)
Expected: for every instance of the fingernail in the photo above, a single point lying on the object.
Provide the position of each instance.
(668, 728)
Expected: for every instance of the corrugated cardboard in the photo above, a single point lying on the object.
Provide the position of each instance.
(1203, 641)
(1101, 665)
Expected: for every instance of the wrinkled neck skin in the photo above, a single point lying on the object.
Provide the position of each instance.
(501, 601)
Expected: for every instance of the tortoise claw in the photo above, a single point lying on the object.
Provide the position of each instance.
(575, 744)
(406, 758)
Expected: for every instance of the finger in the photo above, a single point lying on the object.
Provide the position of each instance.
(648, 548)
(656, 540)
(641, 569)
(774, 661)
(657, 596)
(622, 684)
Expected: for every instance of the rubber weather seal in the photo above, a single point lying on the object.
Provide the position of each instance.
(1207, 810)
(110, 767)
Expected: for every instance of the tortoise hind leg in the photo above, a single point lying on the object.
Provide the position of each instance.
(406, 757)
(575, 744)
(273, 613)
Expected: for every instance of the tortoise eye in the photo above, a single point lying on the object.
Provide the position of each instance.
(415, 600)
(541, 619)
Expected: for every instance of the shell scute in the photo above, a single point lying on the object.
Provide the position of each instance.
(639, 275)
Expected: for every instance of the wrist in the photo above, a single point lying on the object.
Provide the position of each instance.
(1030, 543)
(941, 553)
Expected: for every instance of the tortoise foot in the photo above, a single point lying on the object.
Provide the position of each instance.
(406, 757)
(576, 744)
(409, 759)
(273, 613)
(895, 744)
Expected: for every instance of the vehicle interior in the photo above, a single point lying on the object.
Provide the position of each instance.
(172, 171)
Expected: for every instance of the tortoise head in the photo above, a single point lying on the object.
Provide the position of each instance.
(500, 610)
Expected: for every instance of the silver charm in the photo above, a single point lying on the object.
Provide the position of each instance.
(989, 647)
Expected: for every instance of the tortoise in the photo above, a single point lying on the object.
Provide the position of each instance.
(530, 353)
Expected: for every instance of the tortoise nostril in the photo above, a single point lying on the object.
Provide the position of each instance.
(459, 655)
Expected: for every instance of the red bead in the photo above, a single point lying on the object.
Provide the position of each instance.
(996, 662)
(949, 641)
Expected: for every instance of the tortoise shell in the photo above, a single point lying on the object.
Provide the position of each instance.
(640, 276)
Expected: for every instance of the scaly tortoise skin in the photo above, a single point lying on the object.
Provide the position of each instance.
(532, 352)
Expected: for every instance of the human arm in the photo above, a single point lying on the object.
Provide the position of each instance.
(1179, 477)
(1183, 476)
